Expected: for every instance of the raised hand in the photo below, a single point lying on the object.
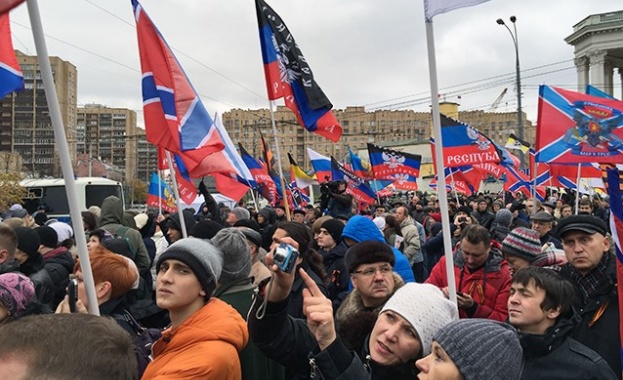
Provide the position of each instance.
(319, 312)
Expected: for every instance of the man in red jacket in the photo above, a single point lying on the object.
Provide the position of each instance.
(481, 274)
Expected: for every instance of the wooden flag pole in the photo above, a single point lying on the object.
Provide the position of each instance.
(283, 185)
(577, 189)
(176, 191)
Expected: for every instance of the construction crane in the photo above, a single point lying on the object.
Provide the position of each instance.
(497, 101)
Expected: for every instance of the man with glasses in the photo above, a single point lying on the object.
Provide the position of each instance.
(542, 222)
(370, 265)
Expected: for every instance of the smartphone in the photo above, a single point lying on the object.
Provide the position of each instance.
(72, 293)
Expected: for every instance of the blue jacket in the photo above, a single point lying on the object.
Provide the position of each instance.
(360, 228)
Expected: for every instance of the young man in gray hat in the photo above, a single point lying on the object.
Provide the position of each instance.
(591, 269)
(543, 222)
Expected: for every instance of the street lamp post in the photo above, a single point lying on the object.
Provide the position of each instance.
(513, 19)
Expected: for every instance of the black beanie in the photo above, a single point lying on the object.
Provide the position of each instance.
(28, 241)
(205, 229)
(48, 236)
(335, 228)
(368, 252)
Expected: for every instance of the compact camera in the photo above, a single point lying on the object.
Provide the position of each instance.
(462, 219)
(285, 257)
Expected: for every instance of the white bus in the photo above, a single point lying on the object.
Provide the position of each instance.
(50, 194)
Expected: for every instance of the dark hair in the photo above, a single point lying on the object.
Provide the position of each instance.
(99, 233)
(393, 223)
(586, 202)
(476, 234)
(89, 220)
(303, 235)
(558, 291)
(8, 239)
(85, 347)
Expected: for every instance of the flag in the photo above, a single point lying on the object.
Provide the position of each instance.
(296, 197)
(518, 181)
(594, 91)
(160, 198)
(289, 76)
(185, 186)
(464, 145)
(616, 228)
(267, 155)
(175, 117)
(387, 162)
(11, 78)
(604, 169)
(515, 142)
(321, 165)
(360, 167)
(573, 127)
(354, 185)
(7, 5)
(435, 7)
(265, 184)
(301, 178)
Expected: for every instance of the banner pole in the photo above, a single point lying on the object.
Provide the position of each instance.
(177, 195)
(283, 186)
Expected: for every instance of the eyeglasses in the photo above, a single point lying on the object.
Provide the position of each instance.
(369, 272)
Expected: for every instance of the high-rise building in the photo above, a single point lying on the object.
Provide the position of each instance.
(110, 135)
(25, 124)
(147, 159)
(359, 128)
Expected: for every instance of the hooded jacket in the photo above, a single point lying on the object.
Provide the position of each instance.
(111, 220)
(557, 355)
(360, 228)
(205, 346)
(488, 285)
(412, 244)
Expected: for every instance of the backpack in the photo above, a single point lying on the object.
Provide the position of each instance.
(144, 338)
(120, 234)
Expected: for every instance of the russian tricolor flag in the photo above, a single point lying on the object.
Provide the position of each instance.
(321, 165)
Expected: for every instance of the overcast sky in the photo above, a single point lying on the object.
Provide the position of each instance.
(362, 52)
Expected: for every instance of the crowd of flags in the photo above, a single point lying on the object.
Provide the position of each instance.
(576, 132)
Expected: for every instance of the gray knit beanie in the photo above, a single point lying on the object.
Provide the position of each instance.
(425, 308)
(201, 256)
(482, 349)
(504, 217)
(241, 213)
(233, 246)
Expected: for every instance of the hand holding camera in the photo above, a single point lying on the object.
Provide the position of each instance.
(281, 260)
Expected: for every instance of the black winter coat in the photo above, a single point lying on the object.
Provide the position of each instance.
(603, 336)
(337, 287)
(33, 267)
(556, 355)
(59, 264)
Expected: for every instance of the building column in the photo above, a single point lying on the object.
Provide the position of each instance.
(621, 80)
(582, 68)
(597, 62)
(609, 76)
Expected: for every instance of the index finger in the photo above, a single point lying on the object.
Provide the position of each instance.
(310, 284)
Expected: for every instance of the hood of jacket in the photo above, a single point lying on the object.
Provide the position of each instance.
(112, 211)
(541, 345)
(189, 220)
(216, 321)
(493, 264)
(360, 228)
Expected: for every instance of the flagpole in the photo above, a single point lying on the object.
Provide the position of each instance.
(453, 186)
(176, 191)
(441, 180)
(534, 175)
(577, 189)
(283, 186)
(159, 193)
(63, 152)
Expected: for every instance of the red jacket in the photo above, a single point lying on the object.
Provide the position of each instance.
(489, 286)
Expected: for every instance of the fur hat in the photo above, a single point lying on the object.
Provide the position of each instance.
(233, 246)
(206, 229)
(63, 231)
(465, 210)
(28, 241)
(368, 252)
(201, 256)
(504, 217)
(16, 292)
(522, 242)
(425, 307)
(482, 349)
(335, 228)
(48, 236)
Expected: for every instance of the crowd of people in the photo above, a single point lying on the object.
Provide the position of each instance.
(335, 292)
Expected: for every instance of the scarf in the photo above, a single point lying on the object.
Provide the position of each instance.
(590, 282)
